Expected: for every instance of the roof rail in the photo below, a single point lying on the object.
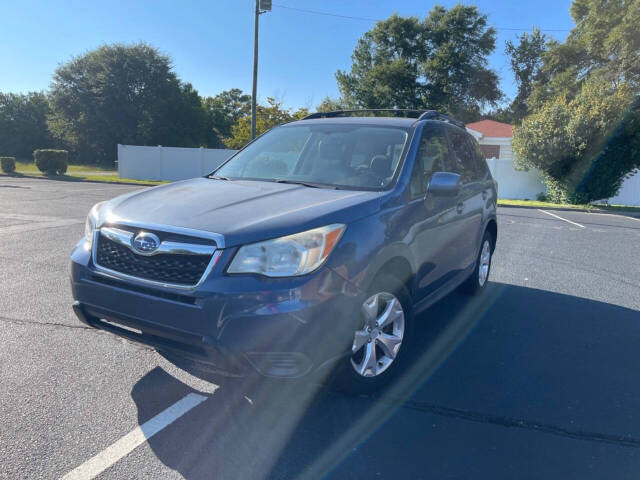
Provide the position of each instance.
(433, 115)
(339, 113)
(410, 113)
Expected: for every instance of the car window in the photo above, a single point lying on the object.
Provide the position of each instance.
(341, 155)
(432, 155)
(481, 166)
(463, 160)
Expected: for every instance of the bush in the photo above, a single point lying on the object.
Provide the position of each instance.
(8, 164)
(51, 162)
(542, 197)
(583, 145)
(618, 159)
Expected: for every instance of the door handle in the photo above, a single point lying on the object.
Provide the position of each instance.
(460, 207)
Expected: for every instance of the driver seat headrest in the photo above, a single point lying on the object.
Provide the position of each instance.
(330, 149)
(381, 165)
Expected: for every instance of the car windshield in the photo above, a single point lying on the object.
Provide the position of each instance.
(330, 155)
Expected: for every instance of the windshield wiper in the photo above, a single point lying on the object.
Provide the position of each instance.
(217, 177)
(306, 184)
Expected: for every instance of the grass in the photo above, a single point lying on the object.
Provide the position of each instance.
(79, 173)
(115, 178)
(79, 177)
(29, 167)
(537, 204)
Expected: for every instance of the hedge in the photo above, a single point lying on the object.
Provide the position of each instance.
(8, 164)
(618, 159)
(51, 162)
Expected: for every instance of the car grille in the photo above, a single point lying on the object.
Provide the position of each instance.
(180, 269)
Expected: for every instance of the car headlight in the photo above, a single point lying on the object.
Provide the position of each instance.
(92, 221)
(288, 256)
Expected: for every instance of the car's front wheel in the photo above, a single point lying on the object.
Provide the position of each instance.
(381, 338)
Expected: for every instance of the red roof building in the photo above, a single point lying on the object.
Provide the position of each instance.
(493, 129)
(494, 138)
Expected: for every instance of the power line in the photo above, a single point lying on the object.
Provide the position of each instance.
(366, 19)
(316, 12)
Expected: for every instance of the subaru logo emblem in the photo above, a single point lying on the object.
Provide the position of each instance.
(145, 243)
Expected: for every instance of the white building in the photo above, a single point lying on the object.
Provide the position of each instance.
(495, 141)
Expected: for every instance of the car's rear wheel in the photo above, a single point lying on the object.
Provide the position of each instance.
(480, 275)
(381, 338)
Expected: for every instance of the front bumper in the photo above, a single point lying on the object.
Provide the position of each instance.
(235, 324)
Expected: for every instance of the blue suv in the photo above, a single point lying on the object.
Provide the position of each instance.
(310, 250)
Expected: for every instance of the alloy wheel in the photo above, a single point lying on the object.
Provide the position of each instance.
(377, 344)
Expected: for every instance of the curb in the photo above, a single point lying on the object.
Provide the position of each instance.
(582, 210)
(81, 180)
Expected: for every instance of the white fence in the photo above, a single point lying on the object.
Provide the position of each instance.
(168, 163)
(515, 184)
(629, 193)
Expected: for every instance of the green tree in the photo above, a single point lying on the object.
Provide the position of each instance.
(567, 135)
(189, 122)
(583, 133)
(267, 117)
(439, 62)
(607, 32)
(223, 111)
(605, 41)
(526, 61)
(124, 94)
(501, 114)
(385, 66)
(23, 124)
(331, 104)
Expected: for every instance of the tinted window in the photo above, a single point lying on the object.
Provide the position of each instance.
(463, 161)
(432, 156)
(480, 162)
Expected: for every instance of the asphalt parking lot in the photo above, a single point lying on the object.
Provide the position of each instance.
(538, 378)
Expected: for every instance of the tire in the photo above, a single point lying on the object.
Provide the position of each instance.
(355, 374)
(479, 277)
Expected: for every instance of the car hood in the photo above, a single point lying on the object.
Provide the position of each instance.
(242, 211)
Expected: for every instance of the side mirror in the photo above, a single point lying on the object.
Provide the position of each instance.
(444, 184)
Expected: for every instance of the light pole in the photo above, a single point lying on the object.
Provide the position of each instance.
(262, 6)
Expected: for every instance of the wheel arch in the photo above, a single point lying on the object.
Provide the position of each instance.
(492, 228)
(397, 266)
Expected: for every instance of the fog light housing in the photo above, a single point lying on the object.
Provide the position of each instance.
(279, 364)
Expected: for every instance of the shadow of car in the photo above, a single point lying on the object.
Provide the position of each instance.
(547, 365)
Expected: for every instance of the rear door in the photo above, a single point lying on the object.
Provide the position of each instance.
(470, 204)
(433, 231)
(489, 194)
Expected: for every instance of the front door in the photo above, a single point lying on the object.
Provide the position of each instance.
(434, 221)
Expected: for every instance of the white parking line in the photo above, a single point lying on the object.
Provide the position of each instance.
(618, 215)
(563, 219)
(110, 455)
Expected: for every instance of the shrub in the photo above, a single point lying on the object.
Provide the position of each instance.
(8, 164)
(617, 160)
(542, 197)
(51, 162)
(584, 145)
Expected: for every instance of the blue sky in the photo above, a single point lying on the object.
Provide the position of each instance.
(211, 41)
